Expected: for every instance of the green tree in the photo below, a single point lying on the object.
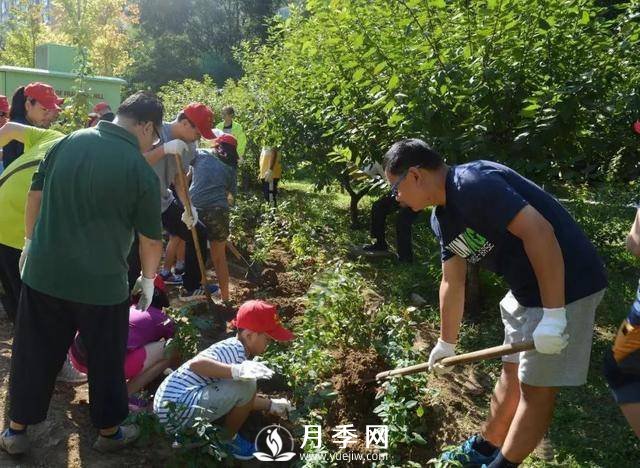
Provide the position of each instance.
(22, 33)
(549, 88)
(191, 38)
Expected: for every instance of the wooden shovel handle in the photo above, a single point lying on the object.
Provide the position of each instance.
(194, 232)
(488, 353)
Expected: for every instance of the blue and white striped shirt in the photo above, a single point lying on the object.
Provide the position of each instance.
(183, 387)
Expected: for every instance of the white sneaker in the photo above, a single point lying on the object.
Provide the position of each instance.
(70, 374)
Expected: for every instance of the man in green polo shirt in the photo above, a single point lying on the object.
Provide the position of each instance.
(90, 193)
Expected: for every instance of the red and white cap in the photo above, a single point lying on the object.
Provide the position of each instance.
(226, 138)
(44, 94)
(202, 117)
(100, 107)
(261, 317)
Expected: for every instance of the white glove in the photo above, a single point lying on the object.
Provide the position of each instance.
(268, 176)
(281, 407)
(548, 336)
(250, 370)
(440, 351)
(192, 220)
(23, 255)
(144, 286)
(175, 147)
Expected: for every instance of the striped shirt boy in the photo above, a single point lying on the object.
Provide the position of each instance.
(183, 387)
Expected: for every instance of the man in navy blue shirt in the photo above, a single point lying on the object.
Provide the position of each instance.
(487, 214)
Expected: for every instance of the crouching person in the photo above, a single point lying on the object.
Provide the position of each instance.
(220, 382)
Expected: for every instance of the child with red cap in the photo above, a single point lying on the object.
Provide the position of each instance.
(220, 382)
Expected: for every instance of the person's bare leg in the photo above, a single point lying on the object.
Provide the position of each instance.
(531, 421)
(180, 251)
(147, 376)
(504, 402)
(154, 363)
(170, 255)
(219, 259)
(631, 411)
(236, 417)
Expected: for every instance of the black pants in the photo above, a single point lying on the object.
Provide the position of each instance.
(266, 191)
(10, 279)
(406, 217)
(45, 329)
(172, 223)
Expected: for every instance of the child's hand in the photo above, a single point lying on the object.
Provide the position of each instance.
(250, 370)
(281, 407)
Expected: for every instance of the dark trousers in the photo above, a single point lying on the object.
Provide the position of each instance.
(44, 332)
(172, 223)
(10, 279)
(383, 207)
(266, 191)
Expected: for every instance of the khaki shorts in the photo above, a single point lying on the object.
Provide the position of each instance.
(216, 221)
(570, 367)
(218, 398)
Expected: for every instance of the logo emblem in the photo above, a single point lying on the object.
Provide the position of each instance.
(271, 437)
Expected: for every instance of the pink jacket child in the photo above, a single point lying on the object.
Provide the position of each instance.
(145, 358)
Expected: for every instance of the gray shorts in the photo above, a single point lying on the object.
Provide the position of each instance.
(218, 398)
(570, 367)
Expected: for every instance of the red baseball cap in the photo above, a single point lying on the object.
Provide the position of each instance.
(636, 126)
(100, 107)
(226, 138)
(261, 317)
(4, 104)
(44, 94)
(202, 117)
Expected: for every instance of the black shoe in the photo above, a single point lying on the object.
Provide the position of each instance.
(375, 247)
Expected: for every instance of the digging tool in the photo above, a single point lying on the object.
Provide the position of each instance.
(488, 353)
(252, 274)
(194, 233)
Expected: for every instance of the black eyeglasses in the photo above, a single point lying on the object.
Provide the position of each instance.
(396, 184)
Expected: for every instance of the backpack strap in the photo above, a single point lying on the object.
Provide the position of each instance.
(5, 175)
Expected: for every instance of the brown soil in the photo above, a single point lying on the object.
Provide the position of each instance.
(355, 401)
(65, 438)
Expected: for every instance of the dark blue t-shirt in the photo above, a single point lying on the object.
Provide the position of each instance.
(483, 197)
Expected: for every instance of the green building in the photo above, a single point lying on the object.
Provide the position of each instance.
(54, 66)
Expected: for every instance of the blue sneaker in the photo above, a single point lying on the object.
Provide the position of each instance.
(199, 294)
(170, 278)
(469, 456)
(241, 448)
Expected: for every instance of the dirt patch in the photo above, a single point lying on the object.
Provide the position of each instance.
(453, 407)
(355, 401)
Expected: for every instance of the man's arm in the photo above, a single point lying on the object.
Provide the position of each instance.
(154, 155)
(32, 211)
(633, 238)
(454, 276)
(542, 248)
(150, 255)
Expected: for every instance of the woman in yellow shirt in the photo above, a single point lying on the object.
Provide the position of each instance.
(14, 186)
